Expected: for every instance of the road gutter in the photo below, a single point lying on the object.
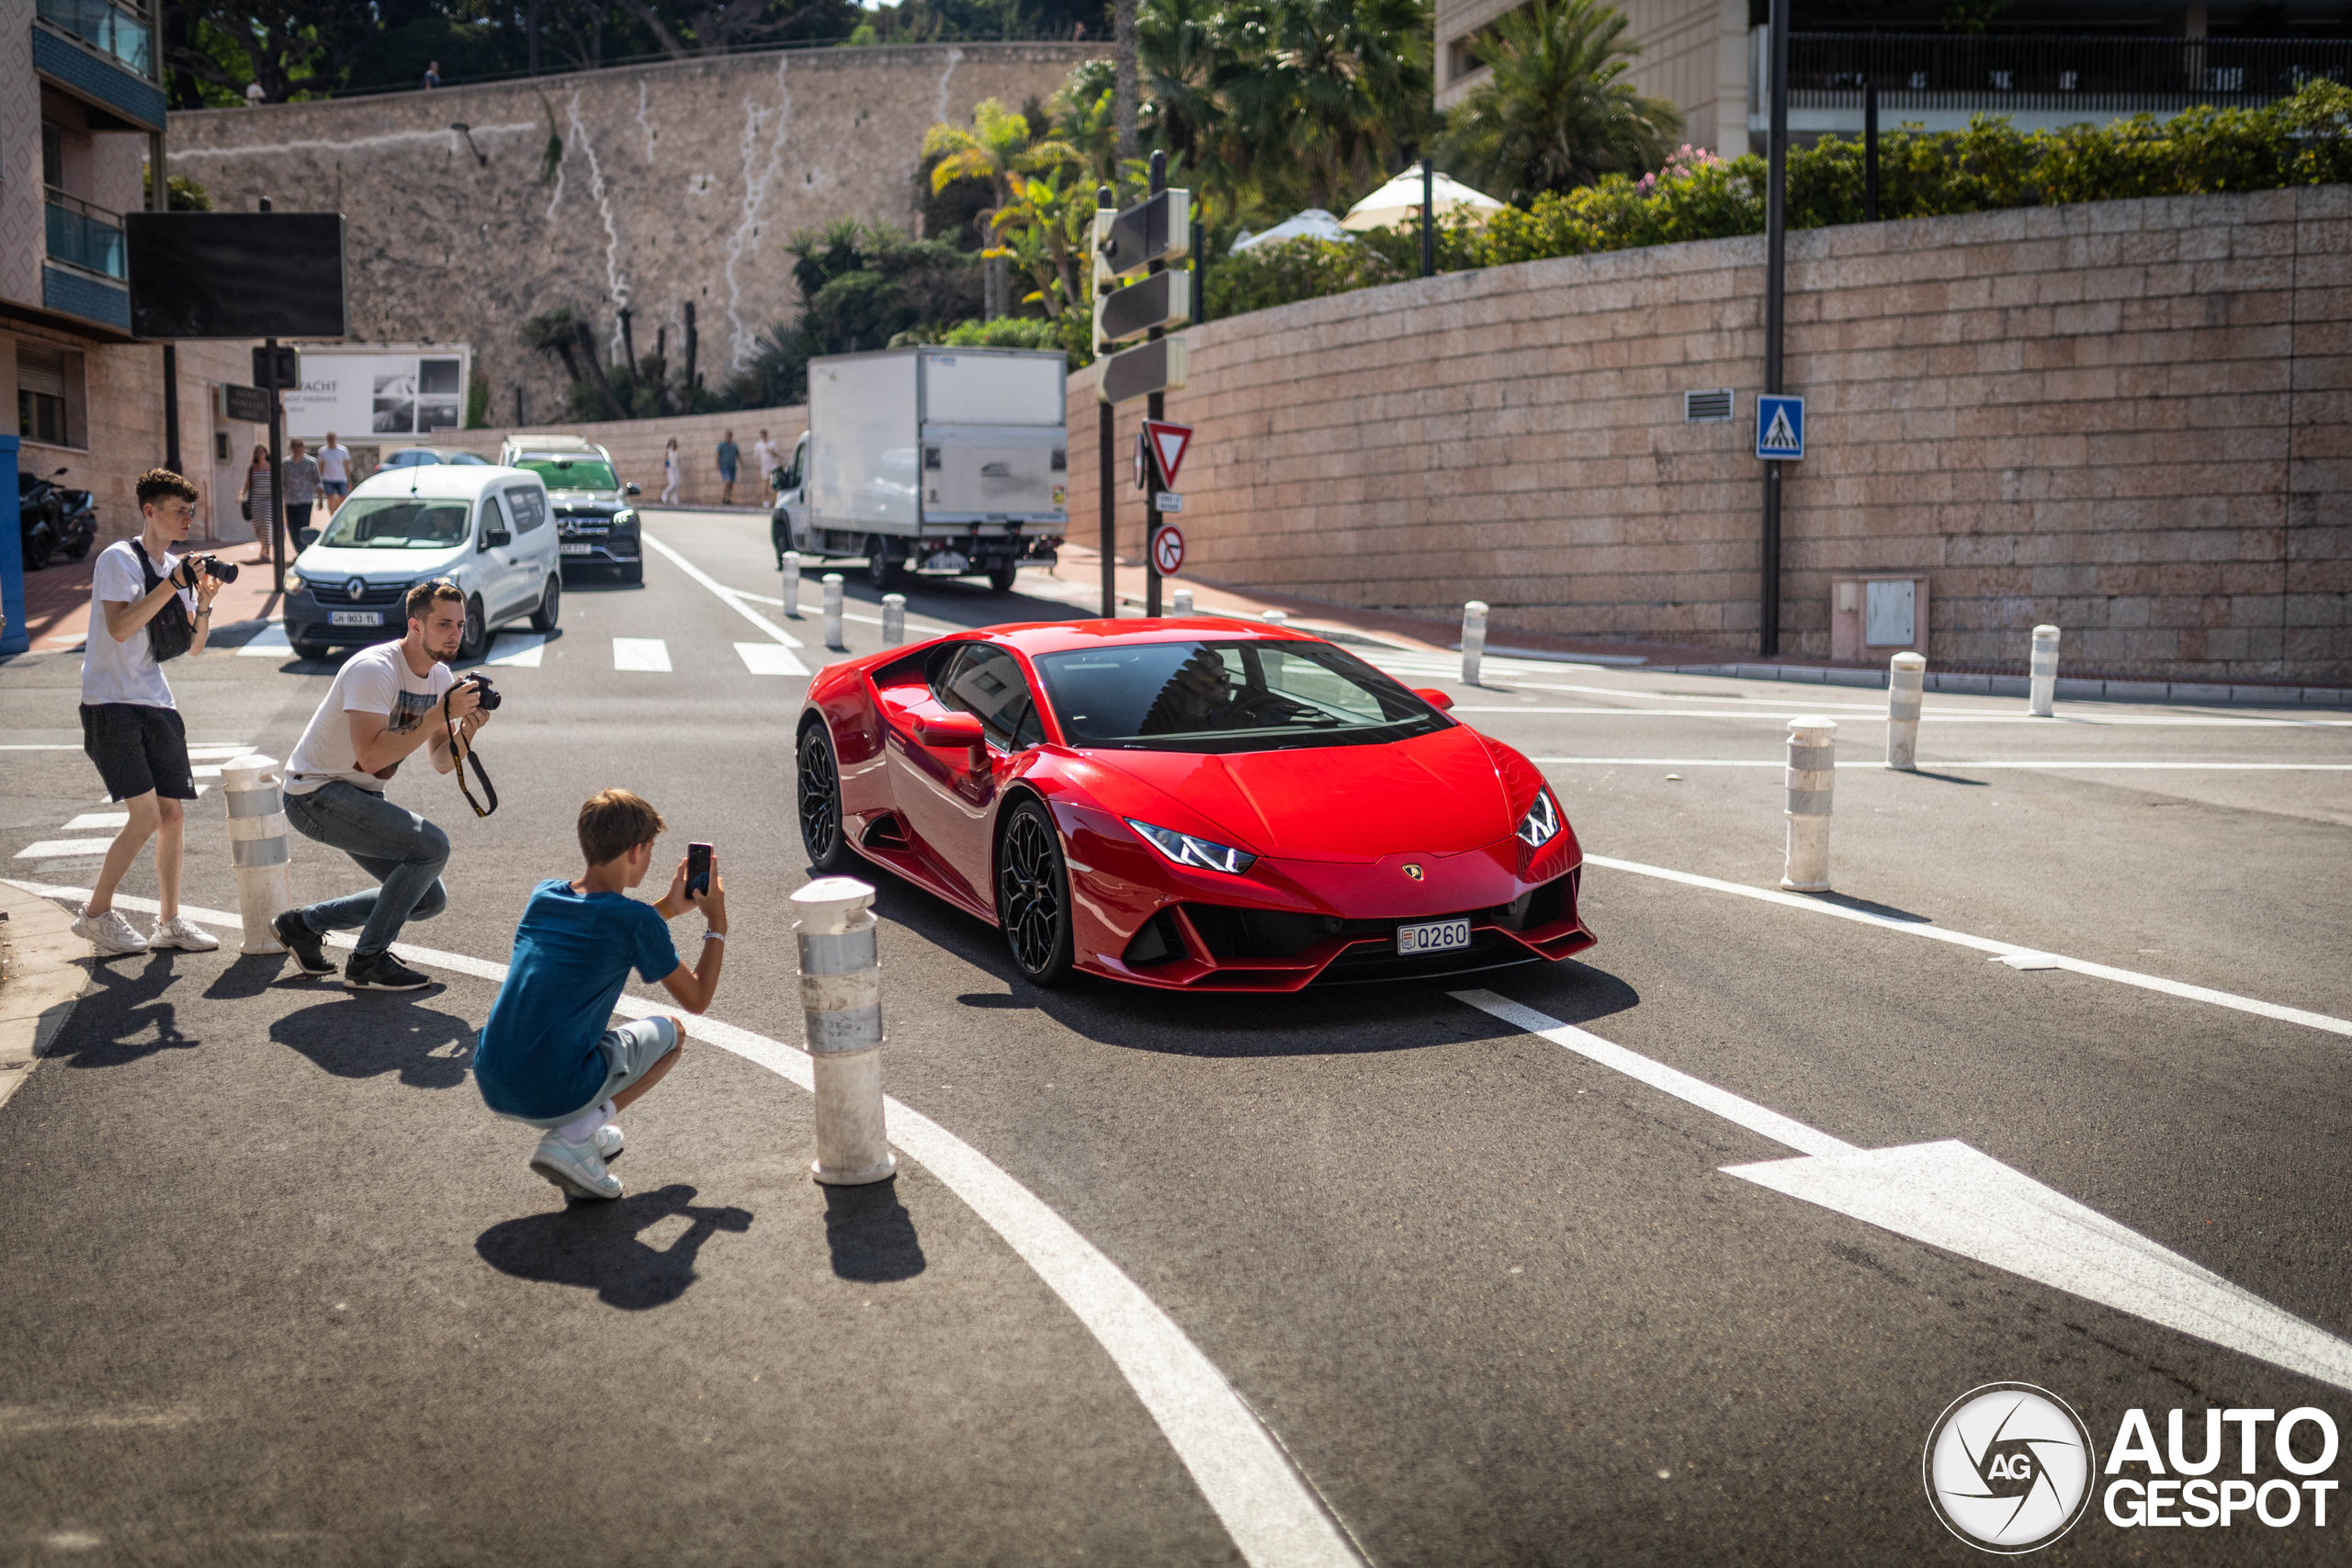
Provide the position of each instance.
(42, 976)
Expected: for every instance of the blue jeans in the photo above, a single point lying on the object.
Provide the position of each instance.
(394, 845)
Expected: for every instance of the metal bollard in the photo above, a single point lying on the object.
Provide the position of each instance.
(257, 834)
(1906, 679)
(894, 619)
(792, 583)
(840, 998)
(1180, 602)
(1813, 769)
(1474, 639)
(2043, 688)
(1277, 618)
(833, 611)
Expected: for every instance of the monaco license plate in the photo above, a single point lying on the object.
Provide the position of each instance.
(354, 617)
(1433, 936)
(579, 549)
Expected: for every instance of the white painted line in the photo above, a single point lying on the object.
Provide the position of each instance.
(220, 753)
(2071, 764)
(1982, 945)
(921, 622)
(1274, 1518)
(59, 746)
(728, 596)
(267, 643)
(57, 849)
(206, 771)
(1964, 1201)
(1950, 715)
(201, 791)
(89, 820)
(769, 659)
(644, 653)
(518, 650)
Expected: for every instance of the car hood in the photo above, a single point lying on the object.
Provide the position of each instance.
(377, 565)
(1437, 793)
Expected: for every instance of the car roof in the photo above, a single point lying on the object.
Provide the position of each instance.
(449, 454)
(554, 443)
(1033, 638)
(442, 482)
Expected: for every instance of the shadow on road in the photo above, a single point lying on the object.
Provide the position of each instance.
(871, 1233)
(352, 1039)
(594, 1246)
(249, 975)
(107, 1023)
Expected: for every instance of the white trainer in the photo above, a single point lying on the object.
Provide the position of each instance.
(575, 1168)
(109, 933)
(606, 1139)
(181, 932)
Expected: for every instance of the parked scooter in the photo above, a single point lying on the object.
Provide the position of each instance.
(53, 518)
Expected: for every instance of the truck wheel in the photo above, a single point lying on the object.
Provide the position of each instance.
(884, 568)
(1002, 577)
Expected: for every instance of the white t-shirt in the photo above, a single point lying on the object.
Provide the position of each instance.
(763, 458)
(334, 464)
(124, 671)
(377, 680)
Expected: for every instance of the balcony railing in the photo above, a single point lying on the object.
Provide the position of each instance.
(84, 235)
(2098, 76)
(107, 27)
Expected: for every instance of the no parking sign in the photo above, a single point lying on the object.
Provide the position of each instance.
(1168, 549)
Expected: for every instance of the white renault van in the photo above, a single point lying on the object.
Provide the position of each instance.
(486, 529)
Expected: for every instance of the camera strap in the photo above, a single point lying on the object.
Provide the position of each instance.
(460, 747)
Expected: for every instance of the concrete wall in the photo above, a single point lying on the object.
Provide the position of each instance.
(2127, 418)
(637, 446)
(677, 181)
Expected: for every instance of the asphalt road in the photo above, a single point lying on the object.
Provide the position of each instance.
(278, 1289)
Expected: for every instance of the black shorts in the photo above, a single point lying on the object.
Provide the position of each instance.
(138, 749)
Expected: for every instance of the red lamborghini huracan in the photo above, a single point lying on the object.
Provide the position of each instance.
(1199, 805)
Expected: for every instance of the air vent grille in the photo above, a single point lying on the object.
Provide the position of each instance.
(1709, 407)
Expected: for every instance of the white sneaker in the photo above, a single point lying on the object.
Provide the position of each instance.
(109, 933)
(181, 932)
(606, 1139)
(575, 1168)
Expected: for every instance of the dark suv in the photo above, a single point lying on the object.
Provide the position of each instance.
(595, 527)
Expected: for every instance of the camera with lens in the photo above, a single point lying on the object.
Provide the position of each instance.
(480, 683)
(226, 571)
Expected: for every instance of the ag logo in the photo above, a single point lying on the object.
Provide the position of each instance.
(2009, 1468)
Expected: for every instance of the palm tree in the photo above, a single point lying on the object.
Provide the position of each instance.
(1343, 84)
(999, 146)
(1557, 112)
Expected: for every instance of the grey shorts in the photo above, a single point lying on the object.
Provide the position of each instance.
(630, 1051)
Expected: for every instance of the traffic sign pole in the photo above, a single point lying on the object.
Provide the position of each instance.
(1106, 431)
(1156, 408)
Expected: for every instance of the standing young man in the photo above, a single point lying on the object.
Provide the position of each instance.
(728, 456)
(130, 726)
(302, 474)
(764, 458)
(387, 701)
(335, 472)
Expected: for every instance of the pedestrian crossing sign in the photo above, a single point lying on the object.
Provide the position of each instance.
(1780, 426)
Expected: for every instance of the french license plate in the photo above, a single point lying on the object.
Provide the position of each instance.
(1433, 936)
(354, 617)
(579, 549)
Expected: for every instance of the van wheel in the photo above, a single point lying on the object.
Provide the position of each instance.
(477, 633)
(1002, 579)
(543, 619)
(884, 568)
(316, 652)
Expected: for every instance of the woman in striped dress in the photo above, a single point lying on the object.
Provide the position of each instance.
(254, 500)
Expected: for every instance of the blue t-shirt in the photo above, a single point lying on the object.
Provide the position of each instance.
(538, 1055)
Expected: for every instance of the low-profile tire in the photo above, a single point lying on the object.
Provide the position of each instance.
(818, 794)
(1002, 579)
(1033, 905)
(885, 571)
(475, 640)
(550, 610)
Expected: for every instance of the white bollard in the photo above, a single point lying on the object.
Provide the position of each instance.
(894, 619)
(1180, 602)
(257, 839)
(1277, 618)
(840, 1000)
(833, 611)
(1813, 769)
(1906, 681)
(792, 583)
(1474, 639)
(2043, 688)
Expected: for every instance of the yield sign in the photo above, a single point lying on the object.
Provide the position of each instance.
(1168, 444)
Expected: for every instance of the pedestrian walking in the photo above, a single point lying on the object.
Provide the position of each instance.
(301, 473)
(253, 500)
(764, 458)
(147, 606)
(670, 473)
(432, 74)
(727, 455)
(335, 472)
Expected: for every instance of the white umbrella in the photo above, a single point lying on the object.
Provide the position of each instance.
(1399, 201)
(1312, 224)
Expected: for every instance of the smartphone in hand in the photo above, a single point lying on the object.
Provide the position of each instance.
(698, 870)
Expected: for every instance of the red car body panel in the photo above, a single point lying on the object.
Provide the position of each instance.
(1333, 828)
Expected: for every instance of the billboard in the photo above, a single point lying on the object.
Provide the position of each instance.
(394, 393)
(236, 274)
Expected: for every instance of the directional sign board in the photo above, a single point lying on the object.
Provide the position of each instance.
(1780, 426)
(243, 405)
(1140, 371)
(1154, 229)
(1168, 549)
(1168, 443)
(1163, 300)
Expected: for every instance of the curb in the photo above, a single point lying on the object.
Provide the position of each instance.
(41, 978)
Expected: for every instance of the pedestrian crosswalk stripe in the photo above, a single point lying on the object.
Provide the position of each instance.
(518, 650)
(53, 848)
(770, 658)
(641, 653)
(267, 643)
(91, 819)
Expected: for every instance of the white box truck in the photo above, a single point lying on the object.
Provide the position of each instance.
(948, 462)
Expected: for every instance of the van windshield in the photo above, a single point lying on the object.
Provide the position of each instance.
(398, 523)
(572, 473)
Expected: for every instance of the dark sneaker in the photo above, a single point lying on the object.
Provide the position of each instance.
(380, 972)
(310, 953)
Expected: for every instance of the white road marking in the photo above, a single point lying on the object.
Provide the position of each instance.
(1963, 1200)
(518, 650)
(220, 753)
(728, 596)
(58, 849)
(914, 623)
(2071, 763)
(89, 820)
(1779, 712)
(267, 643)
(644, 653)
(1273, 1516)
(1814, 905)
(769, 659)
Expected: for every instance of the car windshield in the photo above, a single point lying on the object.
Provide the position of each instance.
(1227, 698)
(572, 473)
(423, 456)
(398, 523)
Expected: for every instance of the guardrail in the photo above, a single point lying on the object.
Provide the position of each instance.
(2040, 73)
(84, 234)
(107, 27)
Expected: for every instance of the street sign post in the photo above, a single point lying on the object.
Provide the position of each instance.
(1159, 229)
(1142, 371)
(1780, 427)
(1163, 300)
(1168, 500)
(1143, 238)
(1168, 549)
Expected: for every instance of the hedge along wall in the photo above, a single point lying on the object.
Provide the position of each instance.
(2124, 418)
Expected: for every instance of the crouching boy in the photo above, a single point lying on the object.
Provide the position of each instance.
(547, 1058)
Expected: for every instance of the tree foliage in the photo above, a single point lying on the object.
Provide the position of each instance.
(1556, 111)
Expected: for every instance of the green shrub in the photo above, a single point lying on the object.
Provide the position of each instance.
(1287, 270)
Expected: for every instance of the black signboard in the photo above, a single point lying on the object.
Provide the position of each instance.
(1156, 229)
(236, 274)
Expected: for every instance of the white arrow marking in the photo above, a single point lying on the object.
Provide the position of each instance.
(1965, 1201)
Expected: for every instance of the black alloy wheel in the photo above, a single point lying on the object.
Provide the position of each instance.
(818, 788)
(475, 638)
(884, 572)
(1033, 896)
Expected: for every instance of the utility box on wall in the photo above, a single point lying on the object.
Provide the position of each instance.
(1873, 617)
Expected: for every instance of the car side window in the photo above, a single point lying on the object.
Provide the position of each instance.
(492, 517)
(529, 507)
(987, 682)
(792, 473)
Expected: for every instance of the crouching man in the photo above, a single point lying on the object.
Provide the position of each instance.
(547, 1056)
